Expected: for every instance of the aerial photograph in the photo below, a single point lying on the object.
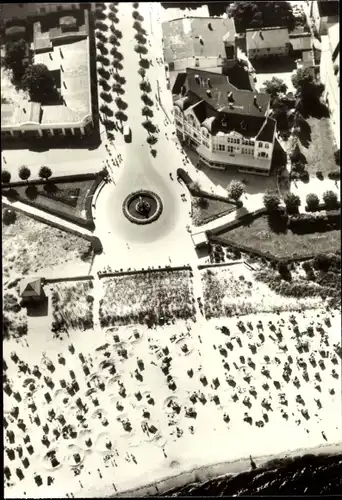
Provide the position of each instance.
(171, 249)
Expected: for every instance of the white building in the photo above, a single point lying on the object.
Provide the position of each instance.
(228, 127)
(330, 76)
(267, 42)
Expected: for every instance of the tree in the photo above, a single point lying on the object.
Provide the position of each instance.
(312, 201)
(308, 91)
(120, 115)
(106, 110)
(24, 172)
(292, 203)
(140, 49)
(140, 38)
(330, 199)
(274, 87)
(117, 88)
(100, 36)
(39, 82)
(31, 192)
(145, 86)
(151, 129)
(296, 154)
(136, 5)
(142, 72)
(236, 190)
(135, 15)
(137, 26)
(112, 17)
(121, 104)
(103, 73)
(151, 140)
(146, 111)
(146, 100)
(99, 14)
(114, 41)
(5, 176)
(100, 45)
(14, 55)
(113, 7)
(117, 33)
(117, 65)
(271, 201)
(261, 15)
(99, 25)
(45, 172)
(144, 63)
(104, 84)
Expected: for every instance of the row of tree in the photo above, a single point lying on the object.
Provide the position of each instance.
(25, 173)
(292, 201)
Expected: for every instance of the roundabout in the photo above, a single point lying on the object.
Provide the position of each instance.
(142, 207)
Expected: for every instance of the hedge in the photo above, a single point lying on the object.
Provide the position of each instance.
(321, 206)
(311, 223)
(56, 180)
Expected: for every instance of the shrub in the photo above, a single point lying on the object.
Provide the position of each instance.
(236, 190)
(24, 173)
(330, 199)
(337, 156)
(9, 216)
(322, 262)
(146, 111)
(151, 140)
(312, 201)
(319, 175)
(292, 203)
(334, 175)
(104, 73)
(45, 172)
(306, 265)
(142, 72)
(202, 203)
(99, 25)
(312, 223)
(271, 201)
(5, 176)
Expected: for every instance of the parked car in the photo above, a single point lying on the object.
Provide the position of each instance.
(127, 133)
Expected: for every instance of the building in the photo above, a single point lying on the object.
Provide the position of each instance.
(23, 11)
(32, 289)
(198, 42)
(64, 48)
(267, 42)
(228, 127)
(330, 76)
(324, 14)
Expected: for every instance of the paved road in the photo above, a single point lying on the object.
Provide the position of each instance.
(139, 170)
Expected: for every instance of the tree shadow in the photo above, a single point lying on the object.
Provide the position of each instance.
(304, 134)
(277, 222)
(274, 64)
(318, 110)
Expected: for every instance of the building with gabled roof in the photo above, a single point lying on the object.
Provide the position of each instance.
(32, 289)
(227, 126)
(265, 42)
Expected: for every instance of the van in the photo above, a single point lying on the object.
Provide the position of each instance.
(127, 133)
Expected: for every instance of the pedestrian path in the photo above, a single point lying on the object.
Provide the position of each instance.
(48, 218)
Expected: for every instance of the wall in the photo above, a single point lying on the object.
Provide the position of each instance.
(264, 52)
(331, 91)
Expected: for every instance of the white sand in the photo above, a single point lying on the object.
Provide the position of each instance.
(213, 440)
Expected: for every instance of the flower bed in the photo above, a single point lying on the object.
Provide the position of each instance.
(147, 298)
(72, 305)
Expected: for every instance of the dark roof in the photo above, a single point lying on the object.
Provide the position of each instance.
(267, 130)
(238, 76)
(243, 100)
(200, 111)
(328, 8)
(179, 82)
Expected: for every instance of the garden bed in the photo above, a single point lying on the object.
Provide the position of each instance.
(206, 210)
(149, 298)
(72, 306)
(258, 236)
(320, 151)
(30, 246)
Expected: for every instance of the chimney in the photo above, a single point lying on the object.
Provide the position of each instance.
(208, 93)
(261, 35)
(230, 96)
(197, 78)
(209, 83)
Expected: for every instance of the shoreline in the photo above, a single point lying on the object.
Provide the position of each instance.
(220, 470)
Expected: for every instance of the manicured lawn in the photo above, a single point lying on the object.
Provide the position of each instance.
(68, 198)
(283, 245)
(320, 151)
(213, 209)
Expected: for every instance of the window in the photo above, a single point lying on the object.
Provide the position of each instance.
(221, 147)
(42, 10)
(260, 144)
(266, 146)
(197, 63)
(230, 149)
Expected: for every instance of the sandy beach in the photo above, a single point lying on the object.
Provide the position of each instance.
(131, 406)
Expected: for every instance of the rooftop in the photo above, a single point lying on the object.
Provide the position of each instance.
(70, 63)
(266, 38)
(182, 37)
